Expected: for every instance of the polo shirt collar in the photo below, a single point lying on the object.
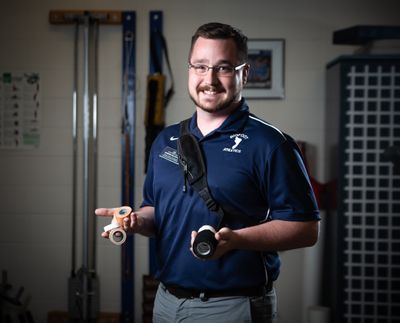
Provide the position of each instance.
(234, 123)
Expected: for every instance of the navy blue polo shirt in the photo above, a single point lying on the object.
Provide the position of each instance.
(253, 169)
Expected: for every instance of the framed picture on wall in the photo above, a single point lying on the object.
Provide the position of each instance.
(266, 77)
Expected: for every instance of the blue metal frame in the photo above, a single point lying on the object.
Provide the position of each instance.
(156, 25)
(128, 160)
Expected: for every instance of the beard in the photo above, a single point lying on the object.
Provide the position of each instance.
(225, 105)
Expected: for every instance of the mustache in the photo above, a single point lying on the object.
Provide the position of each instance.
(211, 88)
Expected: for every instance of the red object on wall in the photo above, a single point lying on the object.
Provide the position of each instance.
(318, 188)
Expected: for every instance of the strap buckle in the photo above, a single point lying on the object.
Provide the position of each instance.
(203, 297)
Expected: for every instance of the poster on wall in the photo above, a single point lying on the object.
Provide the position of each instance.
(19, 110)
(266, 74)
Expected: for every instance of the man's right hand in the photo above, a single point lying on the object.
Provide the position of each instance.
(140, 221)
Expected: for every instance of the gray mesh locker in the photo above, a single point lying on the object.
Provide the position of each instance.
(363, 121)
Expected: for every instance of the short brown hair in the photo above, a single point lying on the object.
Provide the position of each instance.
(216, 30)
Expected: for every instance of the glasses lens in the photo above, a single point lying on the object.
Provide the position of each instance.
(201, 69)
(224, 70)
(220, 70)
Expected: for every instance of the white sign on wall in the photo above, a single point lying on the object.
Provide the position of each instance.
(19, 110)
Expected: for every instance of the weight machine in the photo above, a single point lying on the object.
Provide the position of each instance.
(12, 307)
(83, 283)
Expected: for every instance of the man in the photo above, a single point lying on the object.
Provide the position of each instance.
(252, 168)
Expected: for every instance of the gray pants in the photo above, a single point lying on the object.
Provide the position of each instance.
(169, 309)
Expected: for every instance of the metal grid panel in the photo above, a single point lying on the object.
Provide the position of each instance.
(371, 265)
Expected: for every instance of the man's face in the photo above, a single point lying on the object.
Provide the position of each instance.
(212, 92)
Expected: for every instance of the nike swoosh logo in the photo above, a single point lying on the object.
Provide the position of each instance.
(172, 138)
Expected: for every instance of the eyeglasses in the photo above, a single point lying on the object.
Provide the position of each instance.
(220, 70)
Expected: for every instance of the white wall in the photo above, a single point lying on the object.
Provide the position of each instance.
(35, 185)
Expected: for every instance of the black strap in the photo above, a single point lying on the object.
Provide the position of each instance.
(194, 172)
(194, 169)
(156, 60)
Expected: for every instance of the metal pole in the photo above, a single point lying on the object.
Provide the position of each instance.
(93, 286)
(93, 181)
(86, 125)
(74, 147)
